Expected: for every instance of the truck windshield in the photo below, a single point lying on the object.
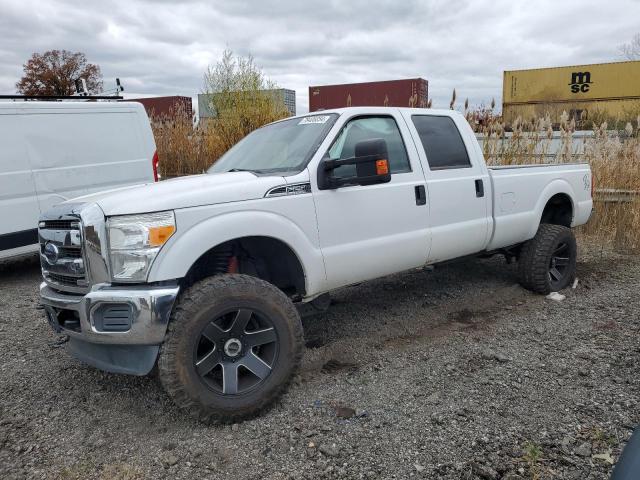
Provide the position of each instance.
(285, 146)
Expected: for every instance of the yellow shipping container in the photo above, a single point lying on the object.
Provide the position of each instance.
(585, 91)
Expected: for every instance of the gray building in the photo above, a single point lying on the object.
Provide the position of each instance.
(287, 96)
(289, 99)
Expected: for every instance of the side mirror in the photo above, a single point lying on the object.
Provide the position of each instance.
(372, 166)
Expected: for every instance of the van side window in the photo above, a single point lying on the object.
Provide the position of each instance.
(441, 141)
(368, 128)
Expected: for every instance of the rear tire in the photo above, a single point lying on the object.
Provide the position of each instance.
(547, 262)
(232, 347)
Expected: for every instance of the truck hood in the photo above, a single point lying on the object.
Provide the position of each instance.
(183, 192)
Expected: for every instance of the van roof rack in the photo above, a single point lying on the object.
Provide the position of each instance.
(61, 97)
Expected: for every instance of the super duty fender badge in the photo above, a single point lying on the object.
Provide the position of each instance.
(293, 189)
(587, 182)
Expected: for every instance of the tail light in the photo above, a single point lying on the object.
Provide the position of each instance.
(154, 163)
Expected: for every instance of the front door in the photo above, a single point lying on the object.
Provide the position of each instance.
(370, 231)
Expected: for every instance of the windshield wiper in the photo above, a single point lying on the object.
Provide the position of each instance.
(243, 170)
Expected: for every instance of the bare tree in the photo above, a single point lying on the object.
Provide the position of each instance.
(55, 72)
(631, 50)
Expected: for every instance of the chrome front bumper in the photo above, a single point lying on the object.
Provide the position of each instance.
(147, 310)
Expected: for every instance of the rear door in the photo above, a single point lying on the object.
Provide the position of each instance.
(457, 183)
(19, 210)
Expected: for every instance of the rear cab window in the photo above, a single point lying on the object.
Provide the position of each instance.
(443, 145)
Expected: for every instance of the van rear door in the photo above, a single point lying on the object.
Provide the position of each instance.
(19, 210)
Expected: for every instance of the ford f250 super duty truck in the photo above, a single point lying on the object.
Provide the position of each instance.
(200, 275)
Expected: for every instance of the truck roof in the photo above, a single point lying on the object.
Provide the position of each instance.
(375, 110)
(365, 110)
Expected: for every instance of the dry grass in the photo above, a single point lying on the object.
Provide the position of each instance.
(185, 150)
(182, 149)
(615, 161)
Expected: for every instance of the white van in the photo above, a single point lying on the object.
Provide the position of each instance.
(53, 151)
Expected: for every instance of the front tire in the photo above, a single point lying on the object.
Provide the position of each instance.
(232, 347)
(547, 262)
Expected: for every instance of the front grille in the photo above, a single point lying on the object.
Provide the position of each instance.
(71, 252)
(61, 255)
(60, 225)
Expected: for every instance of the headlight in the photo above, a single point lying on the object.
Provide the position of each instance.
(134, 242)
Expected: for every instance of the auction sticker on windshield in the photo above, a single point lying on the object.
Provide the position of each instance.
(314, 119)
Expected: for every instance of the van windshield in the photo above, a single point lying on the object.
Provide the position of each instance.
(285, 146)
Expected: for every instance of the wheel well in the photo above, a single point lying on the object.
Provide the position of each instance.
(558, 210)
(264, 257)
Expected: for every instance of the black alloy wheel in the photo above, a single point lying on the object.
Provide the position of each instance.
(236, 351)
(559, 265)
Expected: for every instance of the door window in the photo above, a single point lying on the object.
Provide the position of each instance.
(369, 128)
(441, 141)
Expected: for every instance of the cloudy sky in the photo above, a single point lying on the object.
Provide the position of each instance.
(163, 47)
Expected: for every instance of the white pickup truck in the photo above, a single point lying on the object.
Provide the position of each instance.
(200, 275)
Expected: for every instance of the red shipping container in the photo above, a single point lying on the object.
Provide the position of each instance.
(165, 107)
(412, 92)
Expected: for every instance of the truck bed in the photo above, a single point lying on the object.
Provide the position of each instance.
(520, 193)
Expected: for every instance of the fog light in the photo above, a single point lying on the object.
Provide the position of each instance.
(115, 317)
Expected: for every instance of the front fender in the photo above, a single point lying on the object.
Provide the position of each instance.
(182, 250)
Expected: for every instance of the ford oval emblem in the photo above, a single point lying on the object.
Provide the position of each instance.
(51, 253)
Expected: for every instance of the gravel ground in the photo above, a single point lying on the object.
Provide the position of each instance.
(455, 373)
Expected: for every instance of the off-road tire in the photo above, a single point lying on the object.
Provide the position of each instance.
(536, 256)
(195, 306)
